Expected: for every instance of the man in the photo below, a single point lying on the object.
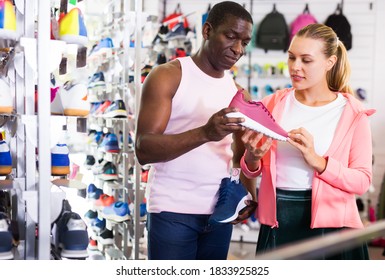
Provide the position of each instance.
(183, 132)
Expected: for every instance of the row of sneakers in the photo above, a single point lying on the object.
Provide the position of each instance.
(105, 211)
(69, 99)
(69, 27)
(110, 109)
(107, 142)
(105, 205)
(265, 71)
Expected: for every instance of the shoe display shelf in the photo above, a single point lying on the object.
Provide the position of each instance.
(28, 124)
(113, 88)
(17, 118)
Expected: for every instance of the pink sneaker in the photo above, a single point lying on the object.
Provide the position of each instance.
(257, 117)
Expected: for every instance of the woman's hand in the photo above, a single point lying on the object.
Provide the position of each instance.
(303, 141)
(255, 151)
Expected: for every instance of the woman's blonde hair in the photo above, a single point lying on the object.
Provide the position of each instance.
(338, 77)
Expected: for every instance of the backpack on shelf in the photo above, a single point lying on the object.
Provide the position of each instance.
(273, 32)
(301, 21)
(341, 26)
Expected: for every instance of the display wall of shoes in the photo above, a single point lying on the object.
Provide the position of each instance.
(89, 80)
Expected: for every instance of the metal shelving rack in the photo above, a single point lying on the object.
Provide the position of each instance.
(31, 146)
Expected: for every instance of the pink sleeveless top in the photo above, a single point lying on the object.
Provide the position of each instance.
(189, 183)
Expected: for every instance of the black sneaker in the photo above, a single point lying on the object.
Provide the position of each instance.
(90, 161)
(106, 237)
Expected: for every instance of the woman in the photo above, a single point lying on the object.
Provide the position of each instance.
(310, 181)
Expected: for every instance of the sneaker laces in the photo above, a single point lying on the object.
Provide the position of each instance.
(264, 108)
(224, 192)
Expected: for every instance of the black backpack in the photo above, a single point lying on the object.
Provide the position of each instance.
(273, 32)
(341, 26)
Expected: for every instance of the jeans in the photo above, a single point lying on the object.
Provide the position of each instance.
(173, 236)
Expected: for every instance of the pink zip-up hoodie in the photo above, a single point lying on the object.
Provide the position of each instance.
(348, 172)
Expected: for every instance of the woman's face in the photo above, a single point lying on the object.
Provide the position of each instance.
(307, 63)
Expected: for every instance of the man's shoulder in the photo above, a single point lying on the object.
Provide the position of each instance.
(169, 68)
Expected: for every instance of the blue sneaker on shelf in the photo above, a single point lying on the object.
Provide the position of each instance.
(5, 158)
(112, 145)
(117, 109)
(231, 200)
(103, 45)
(177, 32)
(97, 80)
(72, 236)
(60, 161)
(117, 212)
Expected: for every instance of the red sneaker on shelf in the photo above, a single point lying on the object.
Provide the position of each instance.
(257, 117)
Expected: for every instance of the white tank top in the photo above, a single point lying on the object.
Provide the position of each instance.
(292, 171)
(189, 183)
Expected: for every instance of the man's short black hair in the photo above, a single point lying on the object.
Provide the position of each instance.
(220, 11)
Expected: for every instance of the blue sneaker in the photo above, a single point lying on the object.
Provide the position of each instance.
(97, 80)
(93, 193)
(117, 212)
(117, 109)
(60, 161)
(109, 144)
(98, 225)
(104, 45)
(90, 216)
(232, 196)
(177, 32)
(112, 145)
(5, 158)
(72, 236)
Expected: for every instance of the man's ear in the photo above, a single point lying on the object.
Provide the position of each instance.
(206, 29)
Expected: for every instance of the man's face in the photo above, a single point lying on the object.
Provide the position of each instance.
(227, 42)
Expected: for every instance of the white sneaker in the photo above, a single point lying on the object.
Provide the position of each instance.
(6, 104)
(74, 99)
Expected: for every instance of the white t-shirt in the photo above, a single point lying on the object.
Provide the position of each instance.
(293, 173)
